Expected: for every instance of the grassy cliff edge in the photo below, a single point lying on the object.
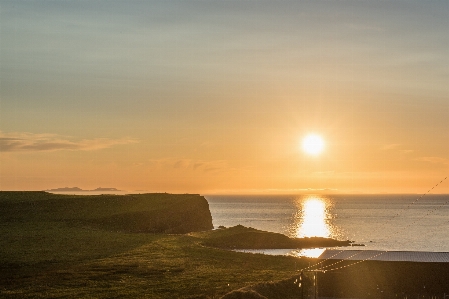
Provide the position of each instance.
(145, 213)
(71, 246)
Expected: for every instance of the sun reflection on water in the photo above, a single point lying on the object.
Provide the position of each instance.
(310, 252)
(312, 218)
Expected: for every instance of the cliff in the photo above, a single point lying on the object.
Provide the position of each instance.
(147, 213)
(163, 213)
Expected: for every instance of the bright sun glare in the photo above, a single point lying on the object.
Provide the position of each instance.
(313, 144)
(314, 219)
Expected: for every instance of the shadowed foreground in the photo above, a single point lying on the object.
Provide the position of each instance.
(148, 213)
(369, 279)
(378, 279)
(94, 246)
(124, 246)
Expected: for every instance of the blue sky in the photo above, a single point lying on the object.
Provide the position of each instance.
(114, 86)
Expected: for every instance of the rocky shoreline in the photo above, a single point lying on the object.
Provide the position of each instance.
(241, 237)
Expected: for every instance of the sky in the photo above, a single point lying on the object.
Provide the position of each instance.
(216, 96)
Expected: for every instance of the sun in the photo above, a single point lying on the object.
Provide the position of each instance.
(313, 144)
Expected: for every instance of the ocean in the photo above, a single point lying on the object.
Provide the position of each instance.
(380, 222)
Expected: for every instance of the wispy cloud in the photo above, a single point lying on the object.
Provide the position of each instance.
(30, 142)
(200, 165)
(396, 146)
(434, 160)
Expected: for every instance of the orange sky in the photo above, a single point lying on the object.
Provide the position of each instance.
(216, 96)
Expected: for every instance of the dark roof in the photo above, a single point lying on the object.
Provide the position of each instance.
(394, 256)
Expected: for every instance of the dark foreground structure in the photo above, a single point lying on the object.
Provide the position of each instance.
(361, 274)
(385, 275)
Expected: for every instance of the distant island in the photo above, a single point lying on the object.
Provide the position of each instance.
(76, 189)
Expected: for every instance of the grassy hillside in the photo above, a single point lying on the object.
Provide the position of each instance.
(60, 246)
(154, 213)
(94, 247)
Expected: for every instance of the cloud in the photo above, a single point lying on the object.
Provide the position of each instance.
(396, 146)
(30, 142)
(197, 165)
(296, 190)
(434, 160)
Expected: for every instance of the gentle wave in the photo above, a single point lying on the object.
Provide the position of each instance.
(381, 222)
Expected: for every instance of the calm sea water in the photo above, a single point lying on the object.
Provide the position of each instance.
(381, 222)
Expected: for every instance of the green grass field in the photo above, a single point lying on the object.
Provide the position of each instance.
(55, 246)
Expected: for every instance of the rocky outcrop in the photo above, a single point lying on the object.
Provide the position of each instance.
(240, 237)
